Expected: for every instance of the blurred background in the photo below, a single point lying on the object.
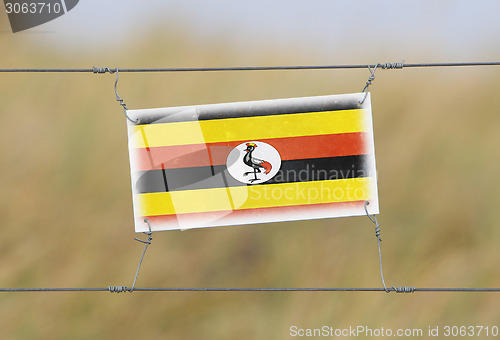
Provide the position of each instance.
(66, 205)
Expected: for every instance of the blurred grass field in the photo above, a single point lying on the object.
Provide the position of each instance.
(66, 208)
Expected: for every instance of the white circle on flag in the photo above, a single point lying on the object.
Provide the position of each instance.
(253, 162)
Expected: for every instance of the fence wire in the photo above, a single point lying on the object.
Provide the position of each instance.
(122, 289)
(397, 65)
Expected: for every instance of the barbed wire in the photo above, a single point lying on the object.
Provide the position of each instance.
(397, 65)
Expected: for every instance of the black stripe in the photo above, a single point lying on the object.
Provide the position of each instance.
(247, 109)
(164, 174)
(302, 170)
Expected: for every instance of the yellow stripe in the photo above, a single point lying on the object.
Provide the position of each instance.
(248, 128)
(256, 196)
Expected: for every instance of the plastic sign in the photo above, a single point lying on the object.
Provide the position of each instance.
(252, 162)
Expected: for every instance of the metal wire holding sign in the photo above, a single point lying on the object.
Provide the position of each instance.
(371, 67)
(377, 235)
(102, 70)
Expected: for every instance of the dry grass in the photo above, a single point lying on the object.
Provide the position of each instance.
(65, 206)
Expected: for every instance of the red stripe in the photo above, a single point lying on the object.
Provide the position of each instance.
(182, 156)
(197, 219)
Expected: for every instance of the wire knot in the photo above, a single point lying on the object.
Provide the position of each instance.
(148, 233)
(118, 289)
(148, 241)
(392, 66)
(102, 70)
(378, 232)
(369, 82)
(370, 78)
(374, 220)
(402, 289)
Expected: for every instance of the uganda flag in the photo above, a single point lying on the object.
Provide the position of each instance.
(252, 162)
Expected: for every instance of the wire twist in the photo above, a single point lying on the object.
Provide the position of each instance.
(368, 82)
(392, 66)
(102, 70)
(404, 289)
(120, 100)
(117, 289)
(374, 220)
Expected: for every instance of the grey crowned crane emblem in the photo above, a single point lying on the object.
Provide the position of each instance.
(253, 162)
(258, 165)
